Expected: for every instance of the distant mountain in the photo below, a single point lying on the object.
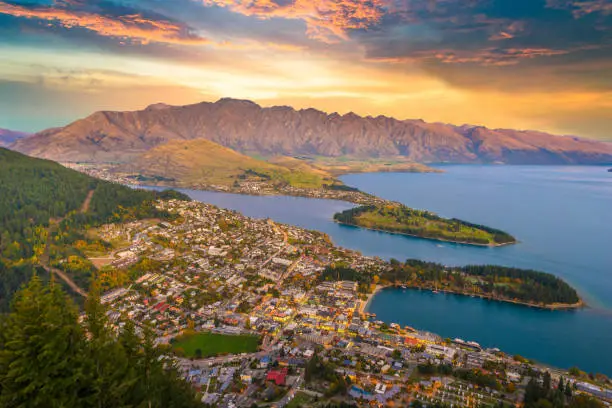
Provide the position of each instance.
(248, 128)
(8, 137)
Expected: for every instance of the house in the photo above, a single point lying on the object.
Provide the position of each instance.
(279, 377)
(380, 388)
(264, 362)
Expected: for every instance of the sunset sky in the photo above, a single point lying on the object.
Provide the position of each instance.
(536, 64)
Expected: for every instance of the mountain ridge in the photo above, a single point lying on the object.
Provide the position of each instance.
(248, 128)
(8, 137)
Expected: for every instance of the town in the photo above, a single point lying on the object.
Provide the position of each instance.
(259, 187)
(242, 308)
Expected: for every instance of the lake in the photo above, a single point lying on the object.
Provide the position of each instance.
(561, 215)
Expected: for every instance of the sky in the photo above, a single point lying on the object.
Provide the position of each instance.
(523, 64)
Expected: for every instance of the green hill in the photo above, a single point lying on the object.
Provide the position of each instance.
(190, 163)
(35, 194)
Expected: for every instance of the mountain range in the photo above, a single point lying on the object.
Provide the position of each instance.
(250, 129)
(8, 137)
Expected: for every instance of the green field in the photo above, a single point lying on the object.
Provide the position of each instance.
(213, 344)
(300, 400)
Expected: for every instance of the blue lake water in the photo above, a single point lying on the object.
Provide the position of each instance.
(561, 215)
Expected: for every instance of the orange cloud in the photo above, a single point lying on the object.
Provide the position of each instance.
(588, 7)
(510, 32)
(582, 8)
(252, 45)
(511, 56)
(134, 27)
(326, 20)
(486, 57)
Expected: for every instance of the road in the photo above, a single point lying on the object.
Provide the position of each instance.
(76, 288)
(87, 202)
(285, 243)
(44, 259)
(290, 394)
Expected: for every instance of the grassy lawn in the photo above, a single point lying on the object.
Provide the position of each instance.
(299, 400)
(213, 344)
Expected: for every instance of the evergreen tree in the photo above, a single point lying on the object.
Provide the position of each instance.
(42, 355)
(47, 359)
(547, 382)
(568, 389)
(561, 385)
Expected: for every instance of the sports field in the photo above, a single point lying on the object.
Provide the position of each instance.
(213, 344)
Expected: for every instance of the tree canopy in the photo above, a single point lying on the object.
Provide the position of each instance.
(37, 193)
(397, 218)
(48, 359)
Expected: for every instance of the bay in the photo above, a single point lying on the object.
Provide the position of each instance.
(561, 215)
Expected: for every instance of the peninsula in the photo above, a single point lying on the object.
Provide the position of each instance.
(398, 219)
(512, 285)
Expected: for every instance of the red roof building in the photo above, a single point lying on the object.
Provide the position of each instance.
(411, 341)
(277, 376)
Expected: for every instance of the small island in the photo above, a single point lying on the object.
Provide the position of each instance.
(399, 219)
(512, 285)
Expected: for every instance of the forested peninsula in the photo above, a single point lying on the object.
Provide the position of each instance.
(399, 219)
(513, 285)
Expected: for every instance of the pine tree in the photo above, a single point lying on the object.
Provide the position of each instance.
(48, 360)
(41, 361)
(568, 389)
(113, 378)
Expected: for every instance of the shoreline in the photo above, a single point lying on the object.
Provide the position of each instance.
(340, 198)
(364, 304)
(552, 307)
(496, 245)
(361, 198)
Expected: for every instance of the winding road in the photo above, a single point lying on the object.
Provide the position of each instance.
(44, 259)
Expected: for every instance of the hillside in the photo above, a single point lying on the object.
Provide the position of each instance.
(37, 194)
(202, 162)
(250, 129)
(8, 137)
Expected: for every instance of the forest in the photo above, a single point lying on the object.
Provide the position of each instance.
(49, 359)
(496, 282)
(541, 393)
(397, 218)
(38, 194)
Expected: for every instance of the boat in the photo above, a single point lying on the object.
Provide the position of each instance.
(403, 286)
